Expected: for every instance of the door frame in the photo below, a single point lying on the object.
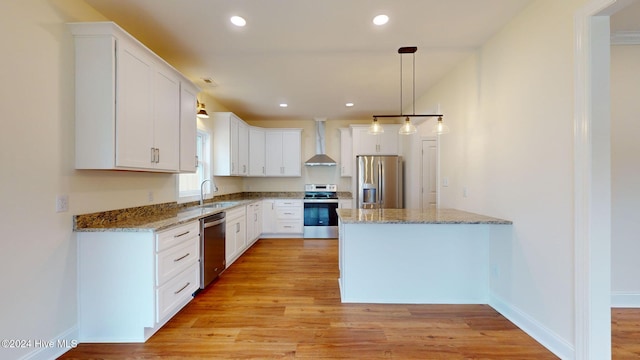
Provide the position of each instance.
(592, 179)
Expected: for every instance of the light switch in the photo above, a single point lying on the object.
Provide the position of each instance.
(62, 203)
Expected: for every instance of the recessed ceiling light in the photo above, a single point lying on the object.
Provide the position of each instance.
(348, 104)
(238, 21)
(380, 19)
(283, 105)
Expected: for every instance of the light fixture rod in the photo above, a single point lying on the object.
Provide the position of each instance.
(413, 115)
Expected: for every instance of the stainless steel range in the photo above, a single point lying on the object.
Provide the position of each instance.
(320, 204)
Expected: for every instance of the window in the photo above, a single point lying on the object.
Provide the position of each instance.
(189, 184)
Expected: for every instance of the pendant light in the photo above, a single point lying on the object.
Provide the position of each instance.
(375, 128)
(407, 128)
(440, 128)
(202, 113)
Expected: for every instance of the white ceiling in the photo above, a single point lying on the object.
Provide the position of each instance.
(315, 55)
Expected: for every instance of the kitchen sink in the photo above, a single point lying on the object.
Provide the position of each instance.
(220, 205)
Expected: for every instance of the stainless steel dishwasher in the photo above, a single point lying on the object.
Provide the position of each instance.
(212, 248)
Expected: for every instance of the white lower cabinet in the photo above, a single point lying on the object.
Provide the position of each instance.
(254, 222)
(282, 218)
(235, 234)
(131, 283)
(345, 203)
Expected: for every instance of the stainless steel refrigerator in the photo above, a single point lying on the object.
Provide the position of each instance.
(379, 182)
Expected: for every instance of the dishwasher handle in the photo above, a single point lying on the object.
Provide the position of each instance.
(213, 220)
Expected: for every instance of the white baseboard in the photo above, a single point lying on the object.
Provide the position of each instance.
(622, 299)
(547, 338)
(55, 347)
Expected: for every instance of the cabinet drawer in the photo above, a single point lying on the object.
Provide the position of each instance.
(172, 261)
(235, 213)
(176, 235)
(289, 213)
(285, 227)
(171, 296)
(288, 203)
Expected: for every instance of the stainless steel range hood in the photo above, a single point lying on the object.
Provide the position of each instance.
(320, 158)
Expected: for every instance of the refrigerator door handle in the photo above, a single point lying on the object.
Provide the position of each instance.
(380, 184)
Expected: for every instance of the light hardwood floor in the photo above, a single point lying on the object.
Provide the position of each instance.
(281, 300)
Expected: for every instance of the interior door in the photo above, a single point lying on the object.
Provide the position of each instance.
(429, 167)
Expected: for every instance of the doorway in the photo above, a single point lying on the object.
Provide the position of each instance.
(592, 174)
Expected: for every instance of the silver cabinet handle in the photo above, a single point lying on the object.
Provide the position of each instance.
(197, 161)
(244, 169)
(263, 170)
(153, 155)
(288, 213)
(157, 155)
(181, 234)
(179, 291)
(181, 257)
(237, 227)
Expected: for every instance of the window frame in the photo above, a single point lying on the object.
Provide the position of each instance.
(203, 170)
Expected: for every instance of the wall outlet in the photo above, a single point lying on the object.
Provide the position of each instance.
(465, 192)
(150, 196)
(445, 181)
(62, 203)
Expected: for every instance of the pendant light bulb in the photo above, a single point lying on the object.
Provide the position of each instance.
(440, 128)
(375, 128)
(408, 128)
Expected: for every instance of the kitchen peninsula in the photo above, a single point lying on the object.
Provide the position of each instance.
(438, 256)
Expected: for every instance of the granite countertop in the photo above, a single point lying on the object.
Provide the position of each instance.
(415, 216)
(162, 216)
(155, 221)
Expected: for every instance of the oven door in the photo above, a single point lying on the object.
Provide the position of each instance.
(320, 219)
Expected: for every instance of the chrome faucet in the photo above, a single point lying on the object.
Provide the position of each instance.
(215, 188)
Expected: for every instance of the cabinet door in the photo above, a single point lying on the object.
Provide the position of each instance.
(188, 128)
(233, 140)
(230, 241)
(363, 142)
(166, 125)
(268, 217)
(273, 153)
(134, 104)
(243, 148)
(388, 141)
(256, 151)
(241, 235)
(257, 221)
(291, 163)
(346, 152)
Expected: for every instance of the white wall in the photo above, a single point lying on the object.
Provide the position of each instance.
(510, 110)
(625, 175)
(38, 248)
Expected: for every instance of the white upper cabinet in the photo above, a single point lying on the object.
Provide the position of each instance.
(188, 127)
(386, 143)
(230, 145)
(243, 148)
(346, 152)
(166, 115)
(256, 151)
(282, 152)
(128, 102)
